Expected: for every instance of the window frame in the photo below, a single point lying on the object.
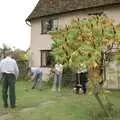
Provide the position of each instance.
(48, 52)
(43, 20)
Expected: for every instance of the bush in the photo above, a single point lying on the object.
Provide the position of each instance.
(22, 65)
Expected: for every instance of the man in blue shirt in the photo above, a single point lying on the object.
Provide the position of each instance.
(36, 76)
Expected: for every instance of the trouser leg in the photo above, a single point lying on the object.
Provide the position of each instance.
(59, 82)
(54, 83)
(4, 90)
(40, 81)
(35, 82)
(77, 90)
(84, 88)
(34, 85)
(12, 90)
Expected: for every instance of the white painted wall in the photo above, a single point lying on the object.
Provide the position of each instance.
(38, 42)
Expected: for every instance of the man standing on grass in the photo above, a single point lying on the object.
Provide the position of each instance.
(58, 76)
(9, 71)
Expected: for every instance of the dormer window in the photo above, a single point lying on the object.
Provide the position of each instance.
(49, 24)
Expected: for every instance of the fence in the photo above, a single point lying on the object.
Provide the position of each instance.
(113, 75)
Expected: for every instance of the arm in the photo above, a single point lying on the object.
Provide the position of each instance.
(32, 77)
(0, 66)
(61, 68)
(16, 70)
(0, 70)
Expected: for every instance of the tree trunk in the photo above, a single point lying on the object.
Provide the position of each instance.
(102, 105)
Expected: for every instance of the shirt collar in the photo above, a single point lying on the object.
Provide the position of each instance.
(8, 57)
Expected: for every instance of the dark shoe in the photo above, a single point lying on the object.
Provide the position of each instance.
(5, 106)
(13, 106)
(33, 88)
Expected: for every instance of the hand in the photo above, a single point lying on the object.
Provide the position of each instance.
(32, 78)
(52, 70)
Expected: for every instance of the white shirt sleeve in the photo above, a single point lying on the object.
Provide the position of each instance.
(0, 67)
(0, 70)
(16, 70)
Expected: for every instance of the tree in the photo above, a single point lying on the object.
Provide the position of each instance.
(4, 50)
(85, 43)
(20, 55)
(22, 61)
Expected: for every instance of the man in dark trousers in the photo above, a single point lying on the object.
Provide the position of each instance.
(84, 80)
(81, 80)
(9, 71)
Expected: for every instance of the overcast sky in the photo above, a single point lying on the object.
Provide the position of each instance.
(14, 32)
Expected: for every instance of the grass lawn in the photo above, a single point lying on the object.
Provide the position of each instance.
(47, 105)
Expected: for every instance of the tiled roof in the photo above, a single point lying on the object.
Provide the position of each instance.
(51, 7)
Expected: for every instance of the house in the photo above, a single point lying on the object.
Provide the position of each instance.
(50, 14)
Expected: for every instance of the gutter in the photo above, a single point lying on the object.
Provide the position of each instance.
(28, 23)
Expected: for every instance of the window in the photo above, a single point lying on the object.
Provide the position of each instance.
(49, 24)
(46, 58)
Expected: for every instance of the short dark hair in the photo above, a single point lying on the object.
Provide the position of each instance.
(8, 53)
(29, 71)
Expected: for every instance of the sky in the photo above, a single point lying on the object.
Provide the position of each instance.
(14, 32)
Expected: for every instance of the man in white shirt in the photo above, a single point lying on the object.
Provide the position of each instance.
(58, 76)
(10, 72)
